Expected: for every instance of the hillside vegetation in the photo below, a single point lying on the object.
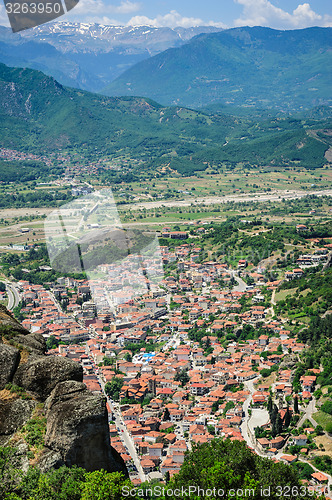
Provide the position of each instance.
(37, 114)
(256, 66)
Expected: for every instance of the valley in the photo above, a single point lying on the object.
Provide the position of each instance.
(166, 239)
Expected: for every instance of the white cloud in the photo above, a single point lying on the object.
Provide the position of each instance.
(127, 7)
(264, 13)
(171, 20)
(100, 12)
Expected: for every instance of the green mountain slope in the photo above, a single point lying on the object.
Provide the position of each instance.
(257, 66)
(38, 114)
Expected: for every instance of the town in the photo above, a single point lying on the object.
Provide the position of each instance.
(203, 354)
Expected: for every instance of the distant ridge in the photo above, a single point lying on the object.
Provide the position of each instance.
(286, 70)
(88, 55)
(39, 114)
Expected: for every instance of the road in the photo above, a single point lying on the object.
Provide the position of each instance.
(127, 439)
(310, 409)
(173, 342)
(245, 431)
(13, 296)
(123, 432)
(241, 285)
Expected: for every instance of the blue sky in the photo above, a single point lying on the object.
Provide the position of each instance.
(280, 14)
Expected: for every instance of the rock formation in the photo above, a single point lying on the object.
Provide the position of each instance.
(76, 419)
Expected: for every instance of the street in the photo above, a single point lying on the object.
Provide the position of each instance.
(13, 296)
(123, 433)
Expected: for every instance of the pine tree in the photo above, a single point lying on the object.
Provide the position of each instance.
(166, 415)
(269, 405)
(279, 424)
(287, 418)
(296, 404)
(274, 430)
(274, 414)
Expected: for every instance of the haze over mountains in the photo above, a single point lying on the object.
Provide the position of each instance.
(194, 67)
(88, 56)
(286, 70)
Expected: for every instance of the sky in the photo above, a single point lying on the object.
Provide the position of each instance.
(278, 14)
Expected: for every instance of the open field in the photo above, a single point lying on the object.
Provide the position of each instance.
(183, 213)
(322, 418)
(327, 445)
(227, 183)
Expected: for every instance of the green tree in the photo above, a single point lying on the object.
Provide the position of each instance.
(113, 388)
(327, 407)
(61, 484)
(166, 416)
(10, 473)
(108, 361)
(225, 464)
(287, 418)
(279, 424)
(296, 404)
(52, 342)
(100, 485)
(182, 377)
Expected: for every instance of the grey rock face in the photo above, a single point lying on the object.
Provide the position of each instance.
(49, 459)
(35, 342)
(9, 323)
(40, 375)
(77, 428)
(9, 359)
(14, 414)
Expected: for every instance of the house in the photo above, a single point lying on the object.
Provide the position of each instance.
(155, 450)
(301, 228)
(263, 340)
(308, 383)
(242, 264)
(178, 235)
(198, 389)
(318, 477)
(147, 465)
(277, 442)
(263, 443)
(288, 459)
(300, 440)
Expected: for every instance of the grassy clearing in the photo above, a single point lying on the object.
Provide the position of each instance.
(284, 293)
(322, 418)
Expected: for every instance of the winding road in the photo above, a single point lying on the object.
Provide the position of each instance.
(13, 296)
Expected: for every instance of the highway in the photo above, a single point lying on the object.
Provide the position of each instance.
(13, 296)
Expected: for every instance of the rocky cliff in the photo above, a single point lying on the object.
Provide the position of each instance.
(46, 411)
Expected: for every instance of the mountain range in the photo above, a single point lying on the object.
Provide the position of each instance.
(38, 114)
(88, 56)
(286, 70)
